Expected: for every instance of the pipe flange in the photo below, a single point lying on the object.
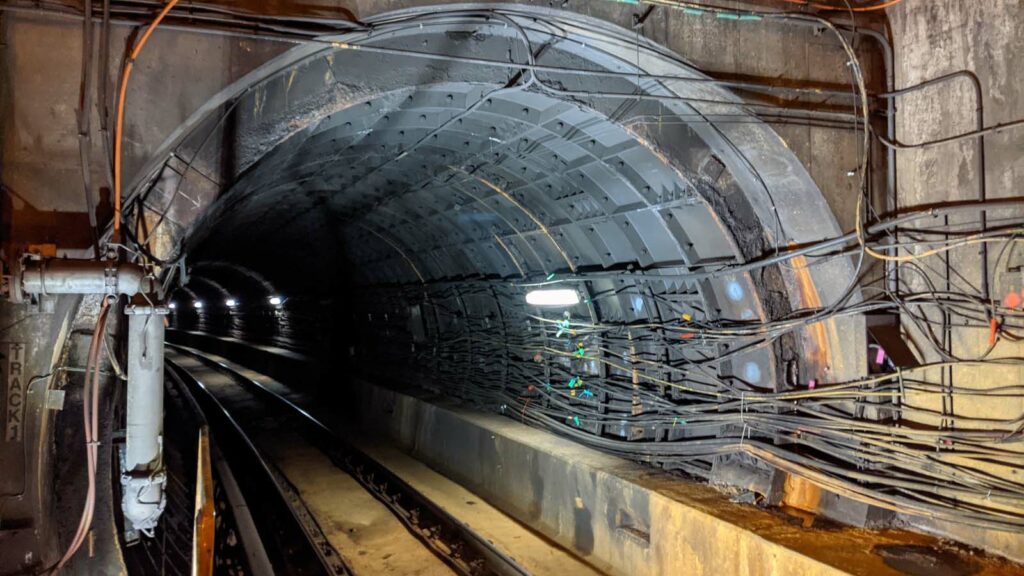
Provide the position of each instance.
(15, 290)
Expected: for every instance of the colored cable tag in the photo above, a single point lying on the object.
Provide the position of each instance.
(677, 421)
(586, 394)
(581, 351)
(1012, 300)
(576, 421)
(812, 384)
(993, 327)
(687, 317)
(563, 327)
(880, 356)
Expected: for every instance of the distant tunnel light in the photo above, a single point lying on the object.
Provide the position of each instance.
(231, 302)
(198, 304)
(172, 305)
(275, 300)
(560, 297)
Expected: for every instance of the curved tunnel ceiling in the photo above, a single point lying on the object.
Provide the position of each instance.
(436, 168)
(428, 165)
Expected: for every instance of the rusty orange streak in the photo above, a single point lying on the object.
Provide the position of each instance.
(817, 357)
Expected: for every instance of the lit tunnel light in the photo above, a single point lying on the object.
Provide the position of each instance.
(275, 300)
(172, 305)
(231, 302)
(198, 304)
(559, 297)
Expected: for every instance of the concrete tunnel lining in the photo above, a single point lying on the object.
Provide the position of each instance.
(406, 181)
(364, 223)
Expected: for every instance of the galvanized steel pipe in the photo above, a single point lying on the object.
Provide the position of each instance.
(53, 276)
(143, 474)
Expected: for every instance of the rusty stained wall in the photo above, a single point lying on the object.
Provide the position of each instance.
(44, 199)
(933, 38)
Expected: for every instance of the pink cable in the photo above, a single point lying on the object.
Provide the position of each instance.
(90, 419)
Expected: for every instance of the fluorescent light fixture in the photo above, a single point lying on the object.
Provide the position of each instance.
(172, 305)
(559, 297)
(275, 300)
(198, 303)
(231, 303)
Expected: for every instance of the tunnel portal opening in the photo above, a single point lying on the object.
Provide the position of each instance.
(388, 201)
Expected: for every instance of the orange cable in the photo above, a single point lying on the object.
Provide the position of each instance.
(119, 127)
(881, 6)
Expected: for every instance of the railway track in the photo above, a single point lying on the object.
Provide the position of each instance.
(331, 505)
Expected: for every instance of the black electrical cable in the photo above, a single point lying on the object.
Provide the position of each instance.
(634, 375)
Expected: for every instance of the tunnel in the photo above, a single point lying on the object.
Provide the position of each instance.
(401, 210)
(547, 292)
(421, 210)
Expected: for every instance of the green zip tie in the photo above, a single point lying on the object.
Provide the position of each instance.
(727, 16)
(576, 421)
(750, 17)
(693, 11)
(551, 276)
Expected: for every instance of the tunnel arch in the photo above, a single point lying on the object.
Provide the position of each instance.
(431, 167)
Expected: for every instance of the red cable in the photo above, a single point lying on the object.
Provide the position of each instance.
(90, 419)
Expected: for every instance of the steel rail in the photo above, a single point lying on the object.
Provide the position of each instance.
(458, 545)
(294, 544)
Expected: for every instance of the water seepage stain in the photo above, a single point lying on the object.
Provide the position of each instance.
(917, 560)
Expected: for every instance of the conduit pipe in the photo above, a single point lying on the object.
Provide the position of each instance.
(59, 276)
(142, 469)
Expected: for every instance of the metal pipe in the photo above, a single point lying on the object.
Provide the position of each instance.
(53, 276)
(142, 468)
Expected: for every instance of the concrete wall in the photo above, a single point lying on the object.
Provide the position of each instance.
(933, 38)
